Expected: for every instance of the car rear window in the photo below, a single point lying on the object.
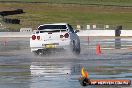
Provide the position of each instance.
(52, 27)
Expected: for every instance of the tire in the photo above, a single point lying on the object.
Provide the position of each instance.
(36, 53)
(75, 47)
(39, 52)
(77, 50)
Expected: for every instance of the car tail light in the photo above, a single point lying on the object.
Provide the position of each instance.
(38, 37)
(66, 35)
(61, 36)
(33, 37)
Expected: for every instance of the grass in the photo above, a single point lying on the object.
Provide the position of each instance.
(40, 13)
(86, 2)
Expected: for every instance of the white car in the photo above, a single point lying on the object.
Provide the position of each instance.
(54, 36)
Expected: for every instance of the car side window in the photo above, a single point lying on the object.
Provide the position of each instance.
(70, 28)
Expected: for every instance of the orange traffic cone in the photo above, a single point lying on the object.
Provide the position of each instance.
(98, 49)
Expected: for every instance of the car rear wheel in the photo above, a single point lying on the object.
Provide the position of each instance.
(40, 52)
(36, 53)
(75, 47)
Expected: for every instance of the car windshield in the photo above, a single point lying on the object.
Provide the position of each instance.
(52, 28)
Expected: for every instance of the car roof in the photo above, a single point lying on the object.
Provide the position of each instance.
(55, 24)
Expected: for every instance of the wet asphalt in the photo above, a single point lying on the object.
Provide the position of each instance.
(19, 68)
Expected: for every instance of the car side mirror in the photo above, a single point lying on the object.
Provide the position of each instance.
(76, 31)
